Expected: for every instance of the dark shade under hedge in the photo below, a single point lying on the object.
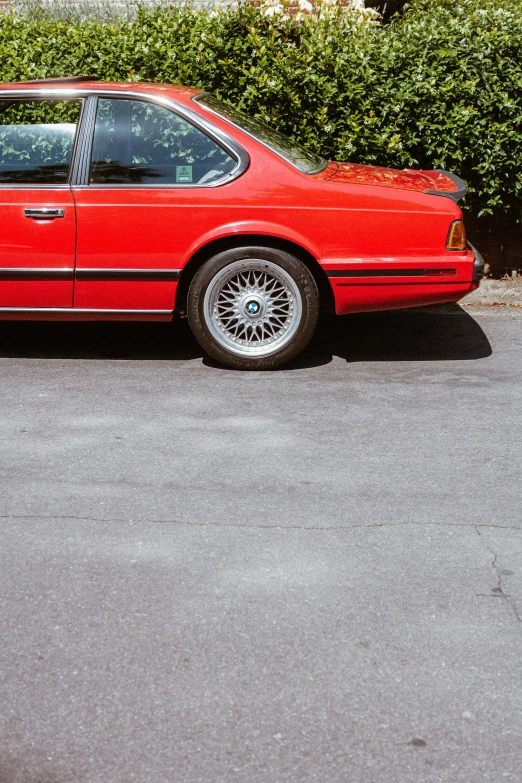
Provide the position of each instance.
(441, 86)
(387, 8)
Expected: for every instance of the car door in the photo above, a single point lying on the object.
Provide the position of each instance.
(37, 213)
(151, 177)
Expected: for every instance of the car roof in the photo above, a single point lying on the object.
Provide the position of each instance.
(93, 83)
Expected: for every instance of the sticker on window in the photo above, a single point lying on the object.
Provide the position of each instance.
(183, 173)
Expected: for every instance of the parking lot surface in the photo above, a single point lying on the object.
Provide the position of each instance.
(313, 574)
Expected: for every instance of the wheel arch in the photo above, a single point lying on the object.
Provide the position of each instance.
(215, 246)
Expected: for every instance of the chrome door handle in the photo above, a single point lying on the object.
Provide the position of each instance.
(44, 213)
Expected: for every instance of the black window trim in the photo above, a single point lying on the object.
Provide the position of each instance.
(81, 156)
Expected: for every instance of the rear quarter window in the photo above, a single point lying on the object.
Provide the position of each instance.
(140, 143)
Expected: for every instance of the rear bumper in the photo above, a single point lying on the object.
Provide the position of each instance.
(396, 297)
(362, 285)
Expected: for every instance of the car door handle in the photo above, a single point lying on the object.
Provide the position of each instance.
(44, 213)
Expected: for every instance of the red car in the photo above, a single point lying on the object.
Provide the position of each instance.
(146, 201)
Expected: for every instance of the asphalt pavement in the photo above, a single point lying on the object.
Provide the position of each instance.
(313, 574)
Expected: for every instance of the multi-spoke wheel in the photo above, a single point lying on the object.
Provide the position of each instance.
(253, 308)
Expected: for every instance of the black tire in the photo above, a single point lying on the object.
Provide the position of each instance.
(205, 327)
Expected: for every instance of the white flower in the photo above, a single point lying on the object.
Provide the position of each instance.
(305, 5)
(272, 8)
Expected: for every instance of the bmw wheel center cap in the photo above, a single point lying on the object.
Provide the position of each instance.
(253, 307)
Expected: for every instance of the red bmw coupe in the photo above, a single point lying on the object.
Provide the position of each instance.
(146, 201)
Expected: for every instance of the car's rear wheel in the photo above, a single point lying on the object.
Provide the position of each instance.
(253, 308)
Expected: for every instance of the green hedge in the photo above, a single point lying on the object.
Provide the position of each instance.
(441, 86)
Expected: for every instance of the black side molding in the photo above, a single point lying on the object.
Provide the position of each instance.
(60, 273)
(455, 195)
(36, 273)
(127, 274)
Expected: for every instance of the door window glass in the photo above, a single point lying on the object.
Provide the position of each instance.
(36, 140)
(140, 143)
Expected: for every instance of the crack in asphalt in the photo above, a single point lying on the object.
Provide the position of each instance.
(498, 591)
(49, 517)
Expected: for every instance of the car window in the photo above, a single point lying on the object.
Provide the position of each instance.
(36, 140)
(303, 159)
(136, 142)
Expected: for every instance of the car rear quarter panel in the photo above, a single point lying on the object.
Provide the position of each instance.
(352, 226)
(347, 227)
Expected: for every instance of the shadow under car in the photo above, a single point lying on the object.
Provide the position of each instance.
(438, 333)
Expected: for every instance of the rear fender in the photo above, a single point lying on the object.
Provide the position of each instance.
(252, 227)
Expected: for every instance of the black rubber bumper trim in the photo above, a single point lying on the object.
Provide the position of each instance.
(389, 285)
(439, 272)
(478, 266)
